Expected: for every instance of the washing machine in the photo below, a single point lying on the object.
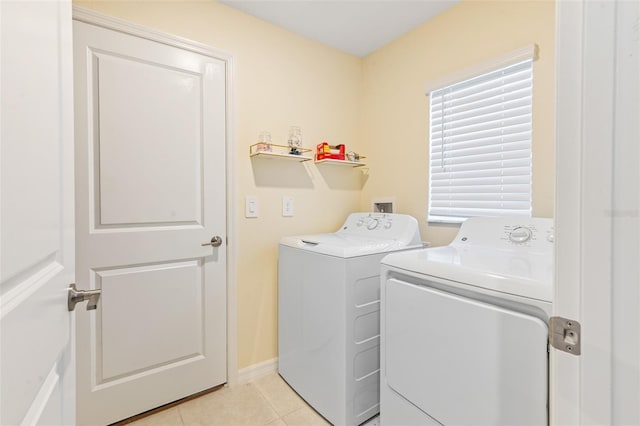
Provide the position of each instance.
(329, 312)
(464, 328)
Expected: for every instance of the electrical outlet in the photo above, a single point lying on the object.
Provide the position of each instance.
(287, 206)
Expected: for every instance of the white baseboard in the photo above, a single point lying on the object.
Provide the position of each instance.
(256, 371)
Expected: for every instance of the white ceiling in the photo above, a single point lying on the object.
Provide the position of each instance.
(358, 27)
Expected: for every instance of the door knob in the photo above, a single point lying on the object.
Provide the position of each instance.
(215, 241)
(77, 296)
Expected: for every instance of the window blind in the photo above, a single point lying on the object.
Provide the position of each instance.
(480, 136)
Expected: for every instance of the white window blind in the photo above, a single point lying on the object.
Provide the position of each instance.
(480, 134)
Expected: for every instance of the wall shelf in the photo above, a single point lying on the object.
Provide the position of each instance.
(340, 162)
(278, 152)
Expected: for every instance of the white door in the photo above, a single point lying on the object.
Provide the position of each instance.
(150, 188)
(598, 212)
(37, 258)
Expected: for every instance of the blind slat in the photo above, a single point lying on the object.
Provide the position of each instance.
(490, 165)
(478, 150)
(472, 143)
(474, 174)
(503, 102)
(471, 127)
(454, 104)
(486, 133)
(485, 189)
(512, 205)
(482, 161)
(474, 196)
(513, 109)
(470, 212)
(500, 182)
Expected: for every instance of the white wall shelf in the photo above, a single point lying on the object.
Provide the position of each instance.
(340, 162)
(279, 152)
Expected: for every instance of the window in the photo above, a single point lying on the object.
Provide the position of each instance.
(480, 137)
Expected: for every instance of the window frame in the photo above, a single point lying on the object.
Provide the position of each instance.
(527, 53)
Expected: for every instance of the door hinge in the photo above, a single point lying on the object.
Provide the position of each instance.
(564, 335)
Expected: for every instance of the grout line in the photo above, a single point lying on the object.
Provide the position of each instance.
(267, 400)
(288, 389)
(273, 407)
(180, 414)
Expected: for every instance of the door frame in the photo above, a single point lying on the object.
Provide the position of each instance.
(91, 17)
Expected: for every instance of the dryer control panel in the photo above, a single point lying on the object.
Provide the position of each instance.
(520, 234)
(512, 232)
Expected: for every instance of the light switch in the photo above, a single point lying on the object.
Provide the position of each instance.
(251, 206)
(287, 206)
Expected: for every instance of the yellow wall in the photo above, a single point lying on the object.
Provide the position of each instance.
(376, 106)
(281, 79)
(395, 108)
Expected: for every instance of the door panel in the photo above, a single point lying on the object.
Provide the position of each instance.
(150, 159)
(162, 114)
(37, 257)
(175, 323)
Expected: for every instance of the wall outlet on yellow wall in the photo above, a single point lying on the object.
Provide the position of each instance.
(287, 206)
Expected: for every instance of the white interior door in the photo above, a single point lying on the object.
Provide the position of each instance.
(37, 258)
(598, 212)
(150, 159)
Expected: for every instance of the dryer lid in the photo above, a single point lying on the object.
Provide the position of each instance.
(505, 271)
(507, 254)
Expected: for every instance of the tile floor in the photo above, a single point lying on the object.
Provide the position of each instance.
(266, 401)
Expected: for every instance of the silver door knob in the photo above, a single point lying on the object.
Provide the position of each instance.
(77, 296)
(215, 241)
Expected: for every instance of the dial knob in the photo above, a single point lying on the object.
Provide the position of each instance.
(520, 235)
(387, 225)
(372, 224)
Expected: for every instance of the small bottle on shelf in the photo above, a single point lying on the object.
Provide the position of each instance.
(264, 142)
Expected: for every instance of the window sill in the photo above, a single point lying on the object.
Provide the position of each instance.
(445, 220)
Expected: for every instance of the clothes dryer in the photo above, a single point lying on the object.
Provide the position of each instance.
(464, 327)
(329, 312)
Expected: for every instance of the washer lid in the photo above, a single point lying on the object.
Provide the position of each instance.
(507, 271)
(341, 245)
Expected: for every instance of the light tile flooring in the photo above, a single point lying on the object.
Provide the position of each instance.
(266, 401)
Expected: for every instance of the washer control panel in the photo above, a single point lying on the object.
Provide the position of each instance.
(389, 226)
(373, 221)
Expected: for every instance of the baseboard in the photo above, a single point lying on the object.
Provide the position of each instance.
(256, 371)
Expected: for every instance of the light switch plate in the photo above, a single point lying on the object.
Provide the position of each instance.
(287, 206)
(251, 206)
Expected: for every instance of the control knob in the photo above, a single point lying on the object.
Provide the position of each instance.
(373, 223)
(520, 235)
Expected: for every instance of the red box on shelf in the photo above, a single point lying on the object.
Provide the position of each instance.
(324, 151)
